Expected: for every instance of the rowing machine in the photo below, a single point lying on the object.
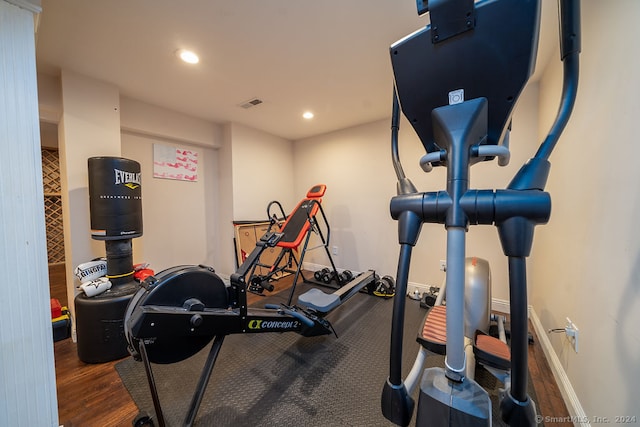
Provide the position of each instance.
(179, 311)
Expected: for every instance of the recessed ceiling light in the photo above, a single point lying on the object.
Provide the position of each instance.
(308, 115)
(188, 56)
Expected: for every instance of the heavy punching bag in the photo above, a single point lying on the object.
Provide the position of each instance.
(115, 198)
(115, 203)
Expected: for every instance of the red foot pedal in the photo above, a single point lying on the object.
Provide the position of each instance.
(433, 335)
(491, 351)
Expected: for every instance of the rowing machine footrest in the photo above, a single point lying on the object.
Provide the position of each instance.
(433, 334)
(319, 301)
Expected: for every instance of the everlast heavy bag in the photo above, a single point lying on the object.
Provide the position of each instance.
(115, 198)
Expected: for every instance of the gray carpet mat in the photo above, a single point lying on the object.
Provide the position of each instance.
(284, 379)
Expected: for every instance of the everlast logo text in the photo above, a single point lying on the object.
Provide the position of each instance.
(130, 179)
(272, 324)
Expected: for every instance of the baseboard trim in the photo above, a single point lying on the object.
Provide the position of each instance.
(500, 305)
(578, 416)
(309, 266)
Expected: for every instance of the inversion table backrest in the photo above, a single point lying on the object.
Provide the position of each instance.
(297, 224)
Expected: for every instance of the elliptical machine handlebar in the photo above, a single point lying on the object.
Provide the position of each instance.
(500, 151)
(405, 186)
(534, 174)
(570, 48)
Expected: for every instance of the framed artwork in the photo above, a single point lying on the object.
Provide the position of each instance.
(177, 163)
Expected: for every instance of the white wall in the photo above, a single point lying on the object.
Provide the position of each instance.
(227, 263)
(262, 169)
(355, 163)
(586, 261)
(243, 169)
(49, 135)
(95, 120)
(176, 221)
(151, 120)
(49, 98)
(180, 219)
(90, 126)
(235, 184)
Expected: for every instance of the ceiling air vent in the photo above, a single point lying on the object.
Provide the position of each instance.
(251, 103)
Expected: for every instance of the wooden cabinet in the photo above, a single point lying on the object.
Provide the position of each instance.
(246, 235)
(270, 254)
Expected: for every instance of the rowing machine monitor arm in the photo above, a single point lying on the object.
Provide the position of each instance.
(457, 81)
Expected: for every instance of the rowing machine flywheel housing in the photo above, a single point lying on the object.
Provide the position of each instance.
(182, 288)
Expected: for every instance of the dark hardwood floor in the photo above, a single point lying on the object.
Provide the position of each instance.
(93, 394)
(549, 400)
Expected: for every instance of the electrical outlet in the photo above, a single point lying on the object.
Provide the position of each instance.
(571, 330)
(334, 250)
(443, 265)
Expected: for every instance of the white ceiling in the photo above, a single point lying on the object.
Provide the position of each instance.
(327, 56)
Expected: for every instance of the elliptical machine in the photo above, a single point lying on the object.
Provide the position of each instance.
(457, 81)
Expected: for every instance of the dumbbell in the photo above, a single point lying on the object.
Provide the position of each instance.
(327, 276)
(346, 276)
(319, 273)
(259, 283)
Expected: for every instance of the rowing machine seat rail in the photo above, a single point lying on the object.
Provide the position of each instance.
(322, 302)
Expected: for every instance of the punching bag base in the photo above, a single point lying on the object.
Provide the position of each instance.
(100, 324)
